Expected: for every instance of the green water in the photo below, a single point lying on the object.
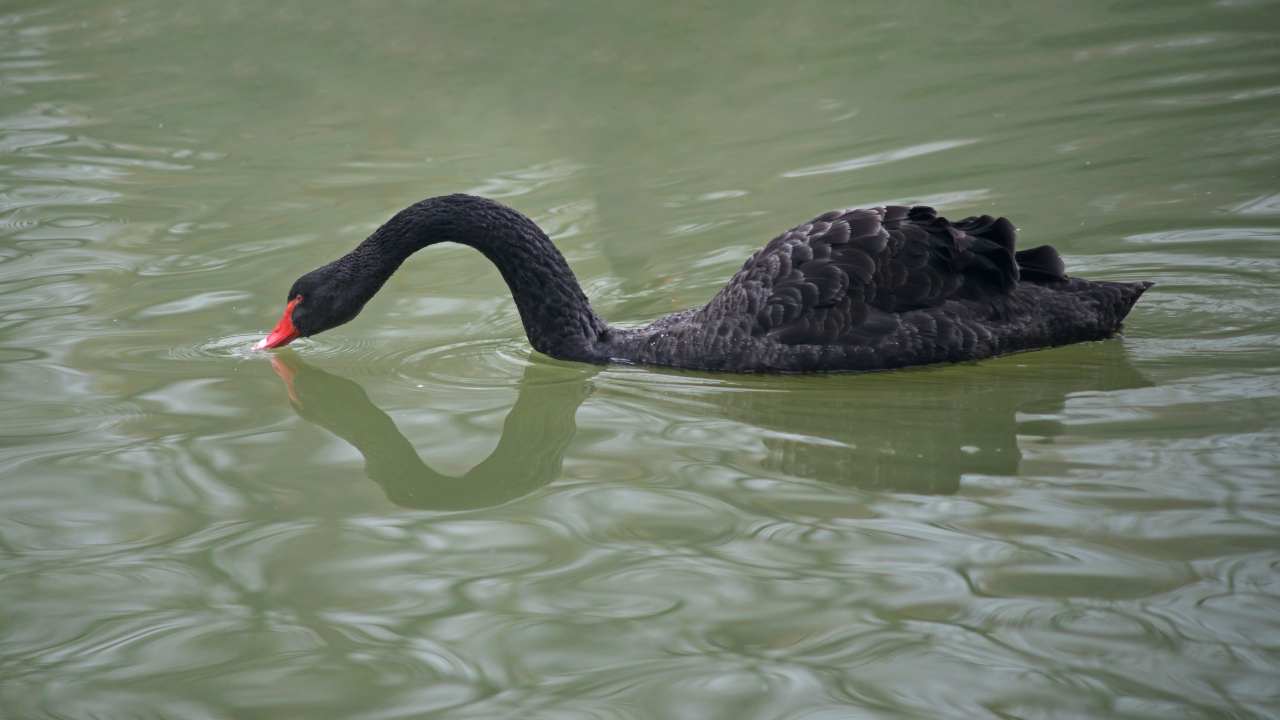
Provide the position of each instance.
(436, 522)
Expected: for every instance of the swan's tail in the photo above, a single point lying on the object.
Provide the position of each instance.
(1114, 300)
(1129, 294)
(1043, 265)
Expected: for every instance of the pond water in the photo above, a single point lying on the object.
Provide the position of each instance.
(416, 516)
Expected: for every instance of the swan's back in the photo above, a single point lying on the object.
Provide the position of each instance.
(877, 288)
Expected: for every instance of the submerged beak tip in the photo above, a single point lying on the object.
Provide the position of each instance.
(284, 332)
(276, 340)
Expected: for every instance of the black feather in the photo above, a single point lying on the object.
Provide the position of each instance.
(1041, 264)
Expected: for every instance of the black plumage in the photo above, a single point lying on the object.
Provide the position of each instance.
(850, 290)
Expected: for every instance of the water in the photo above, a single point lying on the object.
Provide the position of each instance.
(415, 516)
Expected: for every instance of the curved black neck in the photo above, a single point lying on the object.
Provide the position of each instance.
(557, 316)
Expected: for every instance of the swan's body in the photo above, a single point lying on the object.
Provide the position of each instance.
(851, 290)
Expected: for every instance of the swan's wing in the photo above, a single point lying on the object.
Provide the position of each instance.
(845, 276)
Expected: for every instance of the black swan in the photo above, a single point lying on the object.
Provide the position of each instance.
(852, 290)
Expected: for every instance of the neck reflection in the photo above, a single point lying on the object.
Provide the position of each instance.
(529, 454)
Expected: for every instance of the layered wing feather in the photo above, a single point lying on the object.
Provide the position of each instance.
(847, 276)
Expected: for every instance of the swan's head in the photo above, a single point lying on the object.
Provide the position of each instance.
(335, 293)
(323, 298)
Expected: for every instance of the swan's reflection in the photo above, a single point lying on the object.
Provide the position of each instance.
(529, 453)
(919, 431)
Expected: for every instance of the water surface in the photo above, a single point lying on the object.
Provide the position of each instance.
(416, 516)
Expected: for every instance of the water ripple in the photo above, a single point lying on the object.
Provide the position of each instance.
(434, 520)
(879, 158)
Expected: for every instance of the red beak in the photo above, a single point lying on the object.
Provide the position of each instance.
(285, 332)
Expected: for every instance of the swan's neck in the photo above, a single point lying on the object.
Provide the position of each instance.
(557, 316)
